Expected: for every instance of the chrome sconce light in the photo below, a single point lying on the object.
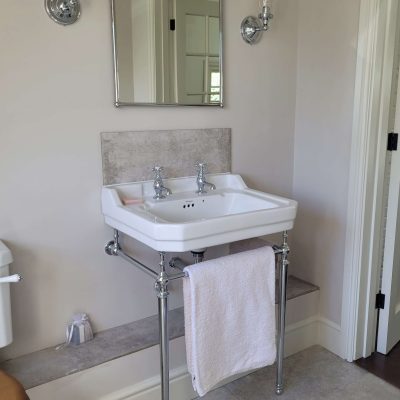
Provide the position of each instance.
(64, 12)
(252, 27)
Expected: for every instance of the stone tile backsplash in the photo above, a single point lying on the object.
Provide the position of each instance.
(130, 156)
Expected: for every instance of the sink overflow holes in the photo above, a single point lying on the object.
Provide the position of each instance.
(188, 205)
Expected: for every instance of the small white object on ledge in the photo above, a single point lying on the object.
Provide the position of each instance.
(78, 331)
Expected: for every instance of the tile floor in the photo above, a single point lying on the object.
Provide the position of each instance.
(312, 374)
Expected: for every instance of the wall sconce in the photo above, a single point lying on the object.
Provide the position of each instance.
(64, 12)
(252, 27)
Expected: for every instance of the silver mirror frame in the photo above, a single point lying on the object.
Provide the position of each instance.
(119, 103)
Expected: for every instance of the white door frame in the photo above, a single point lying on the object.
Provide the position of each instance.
(375, 56)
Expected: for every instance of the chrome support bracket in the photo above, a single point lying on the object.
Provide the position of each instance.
(112, 247)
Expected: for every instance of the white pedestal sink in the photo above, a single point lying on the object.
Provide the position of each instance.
(187, 221)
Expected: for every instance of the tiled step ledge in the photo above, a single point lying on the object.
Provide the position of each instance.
(47, 365)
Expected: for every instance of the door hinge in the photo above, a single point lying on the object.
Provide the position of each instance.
(392, 141)
(380, 301)
(172, 24)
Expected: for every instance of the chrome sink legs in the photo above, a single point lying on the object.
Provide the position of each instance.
(161, 287)
(284, 263)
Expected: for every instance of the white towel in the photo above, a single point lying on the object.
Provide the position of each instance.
(229, 316)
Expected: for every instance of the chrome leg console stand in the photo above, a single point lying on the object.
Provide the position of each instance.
(161, 286)
(284, 251)
(162, 279)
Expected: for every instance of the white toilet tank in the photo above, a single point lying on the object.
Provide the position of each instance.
(5, 304)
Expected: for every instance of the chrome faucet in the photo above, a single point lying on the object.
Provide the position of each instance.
(158, 184)
(201, 178)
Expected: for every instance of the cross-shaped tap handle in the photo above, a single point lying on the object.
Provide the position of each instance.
(157, 169)
(201, 166)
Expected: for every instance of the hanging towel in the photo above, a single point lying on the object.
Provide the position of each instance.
(229, 316)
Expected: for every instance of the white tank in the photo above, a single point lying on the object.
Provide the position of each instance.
(5, 304)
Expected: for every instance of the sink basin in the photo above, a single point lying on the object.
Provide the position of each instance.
(214, 205)
(188, 221)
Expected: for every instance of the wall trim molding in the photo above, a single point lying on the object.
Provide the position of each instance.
(149, 389)
(371, 109)
(330, 336)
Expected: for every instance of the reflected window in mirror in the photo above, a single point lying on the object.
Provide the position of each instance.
(168, 52)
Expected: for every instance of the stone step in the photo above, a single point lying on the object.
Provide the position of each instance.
(47, 365)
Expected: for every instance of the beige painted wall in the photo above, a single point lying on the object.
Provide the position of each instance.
(327, 42)
(56, 96)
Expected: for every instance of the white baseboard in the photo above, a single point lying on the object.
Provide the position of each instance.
(180, 388)
(330, 336)
(301, 335)
(120, 379)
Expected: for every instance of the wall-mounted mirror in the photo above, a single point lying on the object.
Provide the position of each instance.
(167, 52)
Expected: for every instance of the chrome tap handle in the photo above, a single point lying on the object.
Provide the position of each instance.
(158, 168)
(158, 184)
(201, 166)
(157, 171)
(201, 178)
(158, 180)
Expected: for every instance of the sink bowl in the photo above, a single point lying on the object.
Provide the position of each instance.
(188, 221)
(216, 204)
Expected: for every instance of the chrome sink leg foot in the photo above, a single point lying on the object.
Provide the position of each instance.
(284, 263)
(161, 287)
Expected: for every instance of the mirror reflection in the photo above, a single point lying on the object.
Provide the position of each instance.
(167, 52)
